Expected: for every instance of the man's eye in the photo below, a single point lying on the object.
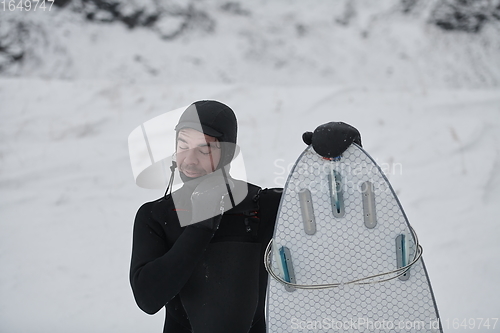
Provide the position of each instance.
(183, 148)
(205, 152)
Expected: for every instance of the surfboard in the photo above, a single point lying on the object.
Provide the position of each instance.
(343, 257)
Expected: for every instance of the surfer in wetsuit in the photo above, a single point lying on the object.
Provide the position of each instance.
(203, 264)
(209, 275)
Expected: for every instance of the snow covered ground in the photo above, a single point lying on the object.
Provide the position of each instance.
(68, 197)
(426, 102)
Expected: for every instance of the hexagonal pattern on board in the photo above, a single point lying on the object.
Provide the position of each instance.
(344, 249)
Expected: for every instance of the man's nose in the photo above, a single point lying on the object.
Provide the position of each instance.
(191, 157)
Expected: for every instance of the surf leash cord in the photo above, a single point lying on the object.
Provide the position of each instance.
(362, 281)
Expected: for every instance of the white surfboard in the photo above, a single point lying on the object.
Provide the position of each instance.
(344, 257)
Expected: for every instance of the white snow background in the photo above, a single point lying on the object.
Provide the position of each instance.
(427, 104)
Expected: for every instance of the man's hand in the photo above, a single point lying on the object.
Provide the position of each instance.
(208, 202)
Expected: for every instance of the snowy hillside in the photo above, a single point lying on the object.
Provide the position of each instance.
(426, 101)
(394, 43)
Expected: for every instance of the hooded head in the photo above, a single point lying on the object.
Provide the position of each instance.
(215, 120)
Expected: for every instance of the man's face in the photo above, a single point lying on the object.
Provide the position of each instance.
(197, 154)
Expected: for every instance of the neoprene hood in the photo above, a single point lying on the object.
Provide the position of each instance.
(214, 119)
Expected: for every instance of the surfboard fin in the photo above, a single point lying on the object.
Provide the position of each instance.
(369, 205)
(306, 208)
(402, 255)
(336, 195)
(286, 262)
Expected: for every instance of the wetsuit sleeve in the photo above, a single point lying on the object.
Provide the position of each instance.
(158, 273)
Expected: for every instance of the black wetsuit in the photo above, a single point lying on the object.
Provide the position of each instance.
(208, 284)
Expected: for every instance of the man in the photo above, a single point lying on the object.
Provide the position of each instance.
(199, 250)
(209, 275)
